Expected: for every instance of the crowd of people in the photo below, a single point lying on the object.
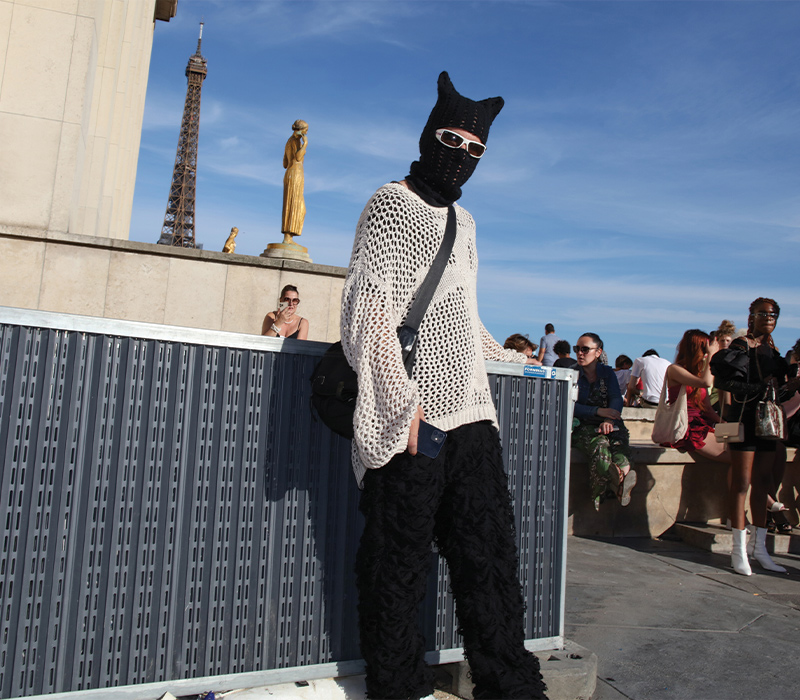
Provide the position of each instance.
(723, 373)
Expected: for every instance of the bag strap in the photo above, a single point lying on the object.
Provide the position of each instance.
(431, 281)
(664, 397)
(408, 332)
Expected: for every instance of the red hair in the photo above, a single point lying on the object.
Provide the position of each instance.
(691, 350)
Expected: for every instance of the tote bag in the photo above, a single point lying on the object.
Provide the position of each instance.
(672, 419)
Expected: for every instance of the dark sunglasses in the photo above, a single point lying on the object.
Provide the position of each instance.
(582, 348)
(453, 140)
(765, 314)
(293, 302)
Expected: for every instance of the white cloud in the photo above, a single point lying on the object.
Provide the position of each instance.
(277, 23)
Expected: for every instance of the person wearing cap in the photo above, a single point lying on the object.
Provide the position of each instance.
(459, 499)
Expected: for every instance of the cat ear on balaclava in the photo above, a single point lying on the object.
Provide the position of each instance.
(441, 171)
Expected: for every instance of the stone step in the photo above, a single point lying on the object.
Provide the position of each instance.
(570, 674)
(718, 539)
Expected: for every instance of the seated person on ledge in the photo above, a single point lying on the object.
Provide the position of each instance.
(284, 322)
(522, 344)
(561, 348)
(692, 370)
(650, 368)
(598, 432)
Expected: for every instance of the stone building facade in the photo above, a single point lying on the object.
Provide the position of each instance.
(73, 79)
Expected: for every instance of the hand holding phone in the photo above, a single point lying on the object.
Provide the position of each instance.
(430, 440)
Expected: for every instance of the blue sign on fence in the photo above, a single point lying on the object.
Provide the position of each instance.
(538, 371)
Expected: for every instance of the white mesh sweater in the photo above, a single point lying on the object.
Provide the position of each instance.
(396, 240)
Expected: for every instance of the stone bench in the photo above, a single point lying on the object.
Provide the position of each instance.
(639, 422)
(672, 487)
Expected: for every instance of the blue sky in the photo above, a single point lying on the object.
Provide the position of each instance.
(642, 179)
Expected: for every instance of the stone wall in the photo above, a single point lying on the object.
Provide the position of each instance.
(73, 77)
(133, 281)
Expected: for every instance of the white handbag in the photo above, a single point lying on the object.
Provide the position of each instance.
(672, 419)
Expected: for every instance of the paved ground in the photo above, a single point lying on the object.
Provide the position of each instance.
(670, 621)
(667, 622)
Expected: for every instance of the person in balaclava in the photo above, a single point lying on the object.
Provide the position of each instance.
(460, 498)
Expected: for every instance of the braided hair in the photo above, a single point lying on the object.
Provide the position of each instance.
(751, 318)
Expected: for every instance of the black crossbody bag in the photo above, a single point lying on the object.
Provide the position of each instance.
(334, 384)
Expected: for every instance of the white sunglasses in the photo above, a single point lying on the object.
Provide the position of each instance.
(453, 140)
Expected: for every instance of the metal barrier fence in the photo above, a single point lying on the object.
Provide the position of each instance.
(171, 510)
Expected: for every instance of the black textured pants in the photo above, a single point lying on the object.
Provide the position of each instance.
(461, 501)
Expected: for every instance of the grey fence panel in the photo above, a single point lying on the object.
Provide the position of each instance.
(535, 424)
(172, 510)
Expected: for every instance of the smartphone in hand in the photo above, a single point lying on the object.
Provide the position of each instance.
(282, 305)
(430, 440)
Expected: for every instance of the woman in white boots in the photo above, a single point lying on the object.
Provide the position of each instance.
(746, 369)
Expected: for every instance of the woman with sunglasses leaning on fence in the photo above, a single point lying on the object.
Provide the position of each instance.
(598, 430)
(746, 369)
(284, 321)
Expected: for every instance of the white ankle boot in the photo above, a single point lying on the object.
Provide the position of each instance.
(738, 553)
(760, 553)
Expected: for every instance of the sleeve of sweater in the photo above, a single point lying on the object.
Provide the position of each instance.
(387, 398)
(492, 350)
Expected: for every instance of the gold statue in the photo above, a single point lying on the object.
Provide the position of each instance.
(230, 244)
(294, 206)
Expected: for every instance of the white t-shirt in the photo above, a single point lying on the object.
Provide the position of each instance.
(651, 370)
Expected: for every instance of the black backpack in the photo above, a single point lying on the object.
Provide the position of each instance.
(334, 384)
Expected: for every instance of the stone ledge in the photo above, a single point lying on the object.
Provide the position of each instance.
(650, 453)
(646, 414)
(137, 247)
(672, 487)
(570, 673)
(647, 453)
(713, 537)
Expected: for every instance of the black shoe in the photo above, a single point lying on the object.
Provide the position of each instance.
(781, 523)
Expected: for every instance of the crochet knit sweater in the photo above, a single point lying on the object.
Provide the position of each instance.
(396, 241)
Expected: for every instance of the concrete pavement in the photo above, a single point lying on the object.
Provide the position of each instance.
(670, 621)
(666, 621)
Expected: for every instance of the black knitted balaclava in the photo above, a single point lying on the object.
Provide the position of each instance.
(441, 171)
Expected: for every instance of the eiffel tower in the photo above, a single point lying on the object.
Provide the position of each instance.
(178, 229)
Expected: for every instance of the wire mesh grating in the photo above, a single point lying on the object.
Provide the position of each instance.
(172, 510)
